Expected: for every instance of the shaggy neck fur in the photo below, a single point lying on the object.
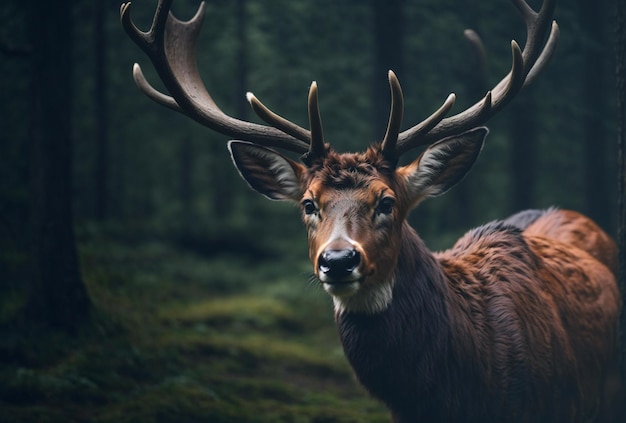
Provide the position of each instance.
(389, 348)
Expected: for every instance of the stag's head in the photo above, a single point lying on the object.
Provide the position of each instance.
(354, 205)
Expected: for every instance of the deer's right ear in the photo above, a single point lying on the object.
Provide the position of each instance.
(266, 171)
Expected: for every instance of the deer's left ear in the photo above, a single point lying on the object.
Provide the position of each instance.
(266, 171)
(443, 164)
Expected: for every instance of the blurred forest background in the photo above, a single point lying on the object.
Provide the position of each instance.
(142, 280)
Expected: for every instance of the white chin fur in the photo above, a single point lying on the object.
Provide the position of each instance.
(354, 297)
(343, 290)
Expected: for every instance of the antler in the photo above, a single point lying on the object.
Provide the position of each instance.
(170, 44)
(527, 64)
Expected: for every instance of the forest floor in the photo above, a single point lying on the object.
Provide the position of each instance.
(179, 336)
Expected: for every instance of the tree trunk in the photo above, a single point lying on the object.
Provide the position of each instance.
(595, 138)
(621, 142)
(57, 296)
(389, 55)
(243, 108)
(523, 133)
(101, 111)
(186, 186)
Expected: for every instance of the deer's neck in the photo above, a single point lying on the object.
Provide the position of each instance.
(409, 337)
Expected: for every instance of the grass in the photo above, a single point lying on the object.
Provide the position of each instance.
(181, 337)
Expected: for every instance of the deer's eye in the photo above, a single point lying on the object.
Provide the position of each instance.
(385, 206)
(309, 207)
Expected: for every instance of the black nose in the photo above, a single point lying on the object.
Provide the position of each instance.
(338, 264)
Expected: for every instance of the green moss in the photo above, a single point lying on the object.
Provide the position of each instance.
(251, 312)
(181, 338)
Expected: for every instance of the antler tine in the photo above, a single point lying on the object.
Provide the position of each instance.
(416, 136)
(276, 120)
(536, 25)
(170, 45)
(143, 39)
(388, 145)
(479, 48)
(526, 65)
(317, 148)
(545, 55)
(151, 92)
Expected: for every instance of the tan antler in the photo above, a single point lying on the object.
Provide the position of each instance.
(527, 64)
(170, 44)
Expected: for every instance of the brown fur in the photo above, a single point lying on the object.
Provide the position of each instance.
(516, 323)
(574, 229)
(503, 327)
(523, 311)
(542, 305)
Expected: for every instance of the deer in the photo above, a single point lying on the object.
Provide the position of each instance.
(517, 322)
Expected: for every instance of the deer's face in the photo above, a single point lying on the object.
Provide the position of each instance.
(353, 210)
(354, 206)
